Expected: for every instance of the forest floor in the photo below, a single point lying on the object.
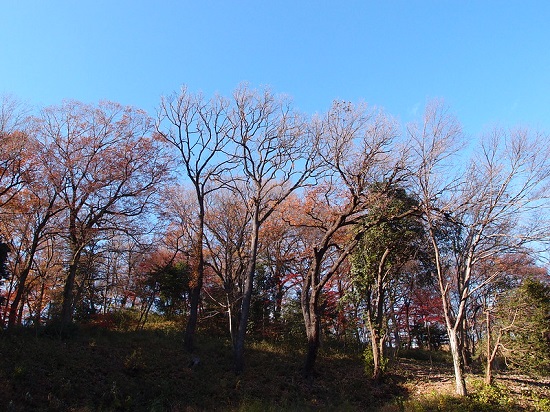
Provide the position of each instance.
(520, 392)
(102, 370)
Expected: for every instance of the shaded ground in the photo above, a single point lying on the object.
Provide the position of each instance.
(99, 370)
(102, 370)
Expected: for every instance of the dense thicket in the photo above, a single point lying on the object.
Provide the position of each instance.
(244, 212)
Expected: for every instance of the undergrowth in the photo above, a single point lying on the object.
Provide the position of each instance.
(91, 368)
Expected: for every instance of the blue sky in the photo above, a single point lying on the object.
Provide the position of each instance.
(489, 60)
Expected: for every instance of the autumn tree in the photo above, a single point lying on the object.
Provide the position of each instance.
(14, 151)
(28, 221)
(358, 149)
(4, 251)
(199, 130)
(26, 202)
(281, 255)
(105, 166)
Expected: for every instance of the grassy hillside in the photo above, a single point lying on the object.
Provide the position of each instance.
(94, 369)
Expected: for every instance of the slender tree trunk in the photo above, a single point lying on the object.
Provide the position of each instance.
(460, 382)
(14, 307)
(312, 314)
(144, 312)
(20, 313)
(408, 326)
(376, 343)
(39, 304)
(189, 336)
(396, 336)
(491, 353)
(489, 366)
(278, 302)
(247, 297)
(232, 318)
(376, 319)
(465, 344)
(11, 288)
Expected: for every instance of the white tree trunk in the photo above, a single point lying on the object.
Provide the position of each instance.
(457, 363)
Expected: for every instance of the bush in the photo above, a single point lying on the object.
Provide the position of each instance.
(438, 356)
(495, 394)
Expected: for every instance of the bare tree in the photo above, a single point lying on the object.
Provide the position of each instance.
(475, 213)
(273, 156)
(199, 130)
(228, 233)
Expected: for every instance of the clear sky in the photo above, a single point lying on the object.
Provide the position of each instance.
(489, 60)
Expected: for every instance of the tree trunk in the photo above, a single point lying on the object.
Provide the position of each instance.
(278, 302)
(465, 344)
(489, 372)
(233, 318)
(313, 333)
(14, 308)
(460, 382)
(144, 311)
(68, 290)
(12, 319)
(488, 367)
(408, 326)
(243, 322)
(491, 353)
(68, 296)
(247, 297)
(189, 336)
(376, 344)
(38, 318)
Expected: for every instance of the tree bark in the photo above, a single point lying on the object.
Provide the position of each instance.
(460, 382)
(36, 237)
(68, 289)
(68, 296)
(376, 356)
(247, 296)
(313, 332)
(190, 328)
(14, 307)
(189, 336)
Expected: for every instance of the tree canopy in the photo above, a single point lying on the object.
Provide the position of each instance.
(246, 213)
